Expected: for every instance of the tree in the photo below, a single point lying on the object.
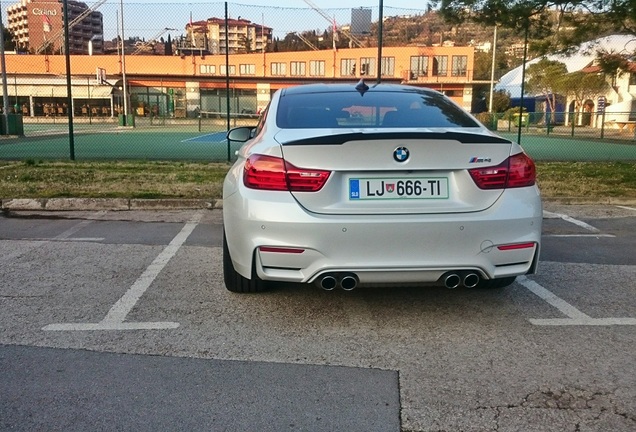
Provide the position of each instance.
(483, 64)
(581, 86)
(500, 101)
(245, 44)
(545, 77)
(9, 42)
(613, 64)
(555, 24)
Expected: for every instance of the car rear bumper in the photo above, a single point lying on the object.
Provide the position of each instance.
(381, 249)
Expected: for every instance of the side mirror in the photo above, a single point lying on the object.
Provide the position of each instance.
(240, 134)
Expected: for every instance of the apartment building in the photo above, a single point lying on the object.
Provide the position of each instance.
(38, 27)
(209, 37)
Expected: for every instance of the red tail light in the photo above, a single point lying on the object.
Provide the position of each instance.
(516, 171)
(273, 173)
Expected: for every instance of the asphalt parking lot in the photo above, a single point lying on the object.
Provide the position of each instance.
(120, 321)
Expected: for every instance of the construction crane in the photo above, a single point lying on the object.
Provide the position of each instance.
(307, 41)
(144, 45)
(331, 20)
(60, 33)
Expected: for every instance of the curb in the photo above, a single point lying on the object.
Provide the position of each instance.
(110, 204)
(127, 204)
(591, 201)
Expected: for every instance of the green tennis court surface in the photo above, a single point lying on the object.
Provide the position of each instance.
(118, 143)
(559, 148)
(108, 142)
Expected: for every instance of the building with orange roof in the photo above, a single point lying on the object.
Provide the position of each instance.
(189, 85)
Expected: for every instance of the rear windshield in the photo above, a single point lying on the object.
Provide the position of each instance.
(373, 109)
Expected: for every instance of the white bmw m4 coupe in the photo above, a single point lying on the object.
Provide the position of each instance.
(345, 185)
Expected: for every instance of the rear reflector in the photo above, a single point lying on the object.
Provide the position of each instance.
(286, 250)
(515, 246)
(273, 173)
(516, 171)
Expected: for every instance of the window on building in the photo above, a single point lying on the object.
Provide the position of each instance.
(298, 68)
(223, 69)
(367, 66)
(247, 69)
(419, 66)
(453, 93)
(388, 66)
(207, 69)
(459, 66)
(632, 78)
(279, 69)
(348, 67)
(317, 68)
(440, 65)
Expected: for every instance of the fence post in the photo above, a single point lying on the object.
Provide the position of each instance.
(603, 124)
(547, 124)
(573, 123)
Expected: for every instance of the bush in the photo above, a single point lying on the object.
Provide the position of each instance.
(488, 119)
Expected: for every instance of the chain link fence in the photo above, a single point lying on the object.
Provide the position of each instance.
(166, 80)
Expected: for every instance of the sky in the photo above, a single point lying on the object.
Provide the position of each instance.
(146, 18)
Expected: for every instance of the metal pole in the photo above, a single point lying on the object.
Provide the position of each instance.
(492, 71)
(5, 94)
(123, 65)
(227, 78)
(88, 88)
(69, 95)
(523, 81)
(380, 28)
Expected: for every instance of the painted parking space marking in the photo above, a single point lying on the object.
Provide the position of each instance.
(571, 220)
(581, 235)
(64, 236)
(626, 208)
(115, 317)
(69, 240)
(574, 316)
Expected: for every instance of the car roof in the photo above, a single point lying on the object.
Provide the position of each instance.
(352, 87)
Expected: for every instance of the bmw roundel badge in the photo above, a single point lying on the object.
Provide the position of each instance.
(401, 154)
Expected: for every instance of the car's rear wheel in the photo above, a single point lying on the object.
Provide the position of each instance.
(496, 283)
(234, 281)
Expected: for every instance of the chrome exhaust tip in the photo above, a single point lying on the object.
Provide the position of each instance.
(471, 280)
(348, 282)
(328, 283)
(452, 281)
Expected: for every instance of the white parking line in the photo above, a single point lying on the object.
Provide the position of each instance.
(69, 240)
(581, 235)
(574, 316)
(115, 317)
(626, 208)
(571, 220)
(37, 242)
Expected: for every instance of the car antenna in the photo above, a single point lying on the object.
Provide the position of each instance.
(362, 87)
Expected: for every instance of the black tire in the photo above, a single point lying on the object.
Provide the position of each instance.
(496, 283)
(234, 281)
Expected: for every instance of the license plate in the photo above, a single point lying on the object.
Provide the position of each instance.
(398, 188)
